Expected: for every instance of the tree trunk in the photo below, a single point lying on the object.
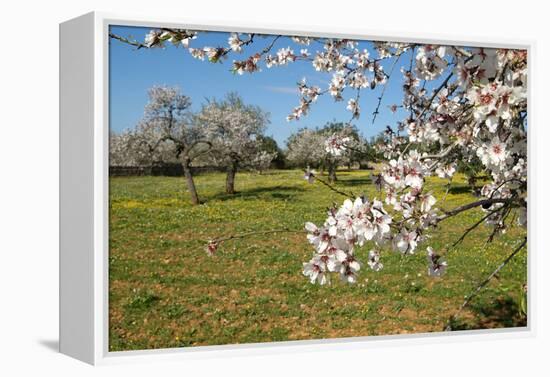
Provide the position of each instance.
(332, 172)
(190, 182)
(230, 178)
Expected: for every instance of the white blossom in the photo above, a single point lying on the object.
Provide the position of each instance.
(316, 271)
(436, 265)
(405, 242)
(374, 260)
(336, 144)
(353, 106)
(235, 42)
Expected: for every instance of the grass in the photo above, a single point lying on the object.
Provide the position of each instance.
(166, 292)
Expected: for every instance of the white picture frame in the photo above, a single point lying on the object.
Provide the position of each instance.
(84, 122)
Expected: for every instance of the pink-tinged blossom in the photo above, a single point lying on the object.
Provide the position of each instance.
(319, 238)
(493, 152)
(436, 265)
(235, 42)
(446, 171)
(211, 248)
(374, 260)
(353, 106)
(336, 144)
(336, 87)
(426, 202)
(414, 177)
(430, 62)
(405, 242)
(285, 56)
(316, 270)
(351, 225)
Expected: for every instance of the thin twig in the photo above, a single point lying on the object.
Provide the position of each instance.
(376, 111)
(459, 240)
(441, 154)
(254, 233)
(346, 194)
(447, 189)
(439, 88)
(469, 298)
(270, 46)
(128, 41)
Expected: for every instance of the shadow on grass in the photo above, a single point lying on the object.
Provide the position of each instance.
(461, 189)
(354, 182)
(503, 313)
(272, 192)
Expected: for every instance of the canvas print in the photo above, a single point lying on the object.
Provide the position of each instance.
(268, 188)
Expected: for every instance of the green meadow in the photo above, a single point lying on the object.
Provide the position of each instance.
(165, 291)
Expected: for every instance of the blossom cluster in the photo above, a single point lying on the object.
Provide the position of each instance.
(350, 226)
(158, 38)
(350, 66)
(336, 144)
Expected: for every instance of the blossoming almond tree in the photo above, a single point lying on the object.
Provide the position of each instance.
(168, 125)
(141, 146)
(125, 150)
(321, 148)
(460, 104)
(306, 148)
(234, 129)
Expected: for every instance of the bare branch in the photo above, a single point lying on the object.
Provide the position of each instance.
(474, 226)
(483, 202)
(376, 110)
(219, 240)
(346, 194)
(128, 41)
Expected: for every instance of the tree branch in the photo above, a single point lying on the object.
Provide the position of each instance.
(471, 228)
(346, 194)
(128, 41)
(376, 110)
(219, 240)
(207, 142)
(468, 206)
(439, 88)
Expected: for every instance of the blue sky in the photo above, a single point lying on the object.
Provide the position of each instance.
(133, 71)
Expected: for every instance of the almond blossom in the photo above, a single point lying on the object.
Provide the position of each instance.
(493, 152)
(436, 265)
(316, 270)
(336, 144)
(354, 108)
(374, 260)
(354, 223)
(405, 242)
